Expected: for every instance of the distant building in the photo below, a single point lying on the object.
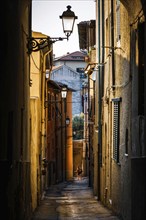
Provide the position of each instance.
(69, 69)
(75, 60)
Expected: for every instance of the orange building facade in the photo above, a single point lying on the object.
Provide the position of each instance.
(59, 154)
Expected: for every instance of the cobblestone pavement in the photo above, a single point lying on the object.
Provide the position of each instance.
(72, 200)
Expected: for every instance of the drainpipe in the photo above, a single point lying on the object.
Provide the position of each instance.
(99, 103)
(100, 85)
(44, 92)
(56, 145)
(89, 144)
(62, 144)
(102, 61)
(112, 43)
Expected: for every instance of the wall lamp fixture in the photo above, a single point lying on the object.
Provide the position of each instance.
(89, 69)
(64, 92)
(68, 19)
(67, 120)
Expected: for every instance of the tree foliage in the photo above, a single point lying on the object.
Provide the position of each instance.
(78, 127)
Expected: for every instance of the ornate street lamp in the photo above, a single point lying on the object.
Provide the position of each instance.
(68, 19)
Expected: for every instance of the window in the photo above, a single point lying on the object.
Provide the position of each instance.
(77, 57)
(49, 107)
(80, 70)
(116, 122)
(83, 75)
(58, 107)
(126, 142)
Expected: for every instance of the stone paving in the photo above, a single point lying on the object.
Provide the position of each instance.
(72, 200)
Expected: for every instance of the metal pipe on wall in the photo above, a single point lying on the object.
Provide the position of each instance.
(112, 43)
(100, 85)
(99, 102)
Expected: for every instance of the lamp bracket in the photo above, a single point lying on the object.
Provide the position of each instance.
(39, 43)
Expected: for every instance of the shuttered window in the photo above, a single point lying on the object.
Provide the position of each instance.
(116, 128)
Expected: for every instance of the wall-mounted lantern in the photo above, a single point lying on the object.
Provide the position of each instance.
(90, 68)
(64, 92)
(47, 74)
(68, 19)
(67, 120)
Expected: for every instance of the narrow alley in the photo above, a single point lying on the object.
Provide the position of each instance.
(73, 94)
(72, 200)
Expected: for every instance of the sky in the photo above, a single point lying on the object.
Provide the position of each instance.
(45, 19)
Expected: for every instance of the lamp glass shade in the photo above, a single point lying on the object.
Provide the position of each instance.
(68, 18)
(68, 24)
(67, 120)
(93, 75)
(63, 92)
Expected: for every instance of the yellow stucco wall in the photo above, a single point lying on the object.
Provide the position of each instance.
(35, 75)
(69, 143)
(35, 149)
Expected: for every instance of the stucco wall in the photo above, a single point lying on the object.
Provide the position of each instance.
(72, 64)
(35, 150)
(77, 154)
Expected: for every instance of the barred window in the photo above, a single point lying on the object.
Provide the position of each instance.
(126, 142)
(116, 126)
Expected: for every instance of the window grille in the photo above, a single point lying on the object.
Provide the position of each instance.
(116, 122)
(126, 142)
